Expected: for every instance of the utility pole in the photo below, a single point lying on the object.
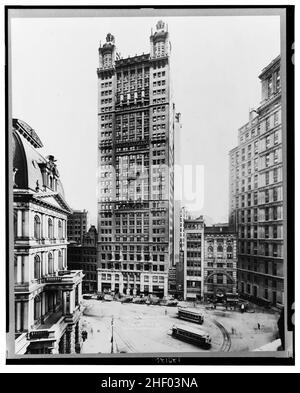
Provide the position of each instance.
(112, 335)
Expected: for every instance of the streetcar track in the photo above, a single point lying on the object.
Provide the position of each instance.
(125, 341)
(226, 345)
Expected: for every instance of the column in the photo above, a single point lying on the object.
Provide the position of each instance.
(121, 288)
(19, 223)
(28, 227)
(30, 312)
(80, 292)
(42, 225)
(150, 284)
(43, 295)
(72, 301)
(134, 284)
(64, 302)
(72, 339)
(165, 286)
(99, 282)
(45, 225)
(113, 283)
(18, 316)
(142, 284)
(26, 324)
(19, 269)
(30, 265)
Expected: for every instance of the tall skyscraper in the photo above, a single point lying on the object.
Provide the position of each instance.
(256, 195)
(136, 159)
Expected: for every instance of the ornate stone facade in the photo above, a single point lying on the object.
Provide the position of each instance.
(47, 294)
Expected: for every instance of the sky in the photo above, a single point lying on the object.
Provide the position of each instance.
(215, 65)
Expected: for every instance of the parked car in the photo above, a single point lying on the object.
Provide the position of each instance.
(168, 301)
(139, 300)
(86, 296)
(126, 299)
(108, 298)
(153, 300)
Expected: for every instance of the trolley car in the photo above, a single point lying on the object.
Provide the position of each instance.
(190, 315)
(192, 335)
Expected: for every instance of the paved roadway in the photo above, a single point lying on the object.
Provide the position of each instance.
(139, 328)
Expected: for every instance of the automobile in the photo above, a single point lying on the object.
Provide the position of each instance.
(139, 300)
(168, 301)
(108, 298)
(153, 300)
(86, 296)
(126, 299)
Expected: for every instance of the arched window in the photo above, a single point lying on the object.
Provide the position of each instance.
(60, 230)
(210, 249)
(220, 248)
(37, 227)
(50, 228)
(60, 260)
(37, 307)
(37, 267)
(229, 249)
(50, 263)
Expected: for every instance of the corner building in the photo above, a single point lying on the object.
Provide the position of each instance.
(47, 293)
(256, 196)
(135, 168)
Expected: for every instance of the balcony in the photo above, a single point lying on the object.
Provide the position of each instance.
(50, 330)
(65, 278)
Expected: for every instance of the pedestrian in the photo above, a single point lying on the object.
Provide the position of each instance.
(258, 326)
(166, 311)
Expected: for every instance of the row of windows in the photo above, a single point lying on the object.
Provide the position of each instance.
(159, 83)
(266, 267)
(106, 92)
(50, 228)
(159, 74)
(106, 109)
(161, 100)
(133, 73)
(38, 269)
(133, 257)
(264, 125)
(106, 84)
(133, 248)
(107, 277)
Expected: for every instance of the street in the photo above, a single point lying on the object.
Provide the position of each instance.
(139, 328)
